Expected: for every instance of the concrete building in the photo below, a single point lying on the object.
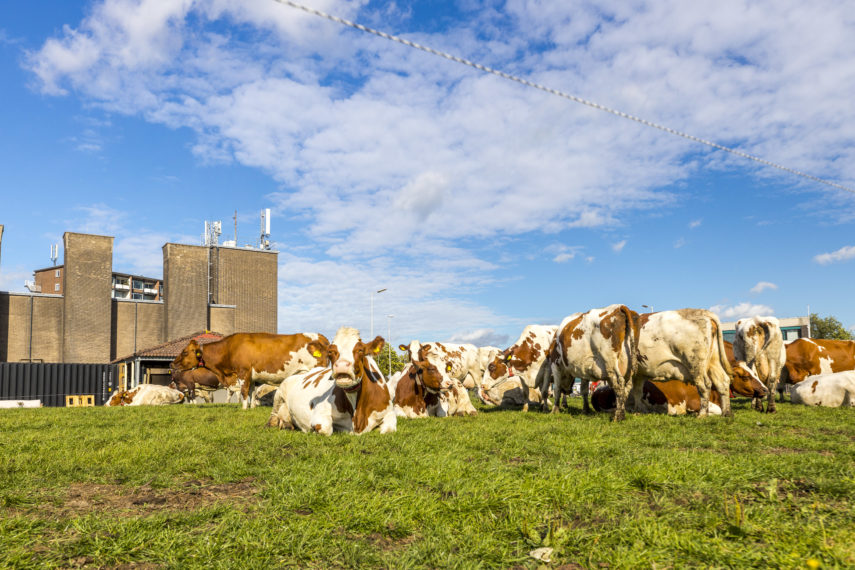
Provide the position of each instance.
(227, 289)
(124, 285)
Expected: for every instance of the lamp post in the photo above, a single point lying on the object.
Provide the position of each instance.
(389, 342)
(648, 307)
(372, 310)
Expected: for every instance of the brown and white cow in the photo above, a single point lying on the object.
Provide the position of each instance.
(242, 359)
(421, 391)
(351, 395)
(146, 395)
(598, 345)
(812, 356)
(831, 390)
(760, 345)
(463, 364)
(202, 379)
(685, 345)
(676, 397)
(515, 375)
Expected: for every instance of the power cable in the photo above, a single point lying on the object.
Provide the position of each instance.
(551, 91)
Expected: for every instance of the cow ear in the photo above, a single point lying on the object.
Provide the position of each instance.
(317, 349)
(333, 353)
(403, 347)
(376, 345)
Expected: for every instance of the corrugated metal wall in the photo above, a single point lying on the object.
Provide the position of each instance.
(51, 383)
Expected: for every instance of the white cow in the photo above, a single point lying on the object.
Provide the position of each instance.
(597, 345)
(831, 390)
(351, 395)
(760, 345)
(146, 395)
(515, 375)
(685, 345)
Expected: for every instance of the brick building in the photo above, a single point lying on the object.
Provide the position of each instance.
(220, 288)
(124, 285)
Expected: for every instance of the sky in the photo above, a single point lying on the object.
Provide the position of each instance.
(479, 204)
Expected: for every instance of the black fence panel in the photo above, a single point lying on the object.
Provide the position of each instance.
(51, 383)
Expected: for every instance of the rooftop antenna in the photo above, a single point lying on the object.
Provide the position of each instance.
(264, 239)
(211, 237)
(235, 219)
(54, 253)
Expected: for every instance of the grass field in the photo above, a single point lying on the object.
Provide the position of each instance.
(208, 486)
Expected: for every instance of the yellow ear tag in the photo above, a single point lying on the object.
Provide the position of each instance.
(317, 354)
(448, 368)
(508, 357)
(377, 349)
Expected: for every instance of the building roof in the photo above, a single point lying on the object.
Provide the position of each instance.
(169, 350)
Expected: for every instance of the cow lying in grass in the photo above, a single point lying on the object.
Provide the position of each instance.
(830, 390)
(146, 395)
(351, 396)
(420, 391)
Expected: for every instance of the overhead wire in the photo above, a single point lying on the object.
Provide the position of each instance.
(551, 91)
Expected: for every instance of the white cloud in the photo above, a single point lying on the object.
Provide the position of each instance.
(482, 337)
(741, 310)
(13, 279)
(762, 286)
(382, 149)
(679, 243)
(695, 224)
(843, 254)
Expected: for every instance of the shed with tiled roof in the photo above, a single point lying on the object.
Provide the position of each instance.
(151, 365)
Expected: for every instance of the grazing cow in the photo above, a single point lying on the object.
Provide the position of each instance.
(516, 374)
(463, 364)
(813, 356)
(421, 391)
(188, 381)
(597, 345)
(831, 390)
(146, 395)
(350, 396)
(241, 359)
(685, 345)
(760, 345)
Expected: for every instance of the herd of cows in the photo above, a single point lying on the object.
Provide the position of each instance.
(675, 362)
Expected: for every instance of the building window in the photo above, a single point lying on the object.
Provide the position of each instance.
(137, 284)
(138, 296)
(56, 286)
(56, 273)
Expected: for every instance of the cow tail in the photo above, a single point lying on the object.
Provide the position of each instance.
(631, 340)
(719, 340)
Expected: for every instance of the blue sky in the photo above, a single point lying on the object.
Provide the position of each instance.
(480, 204)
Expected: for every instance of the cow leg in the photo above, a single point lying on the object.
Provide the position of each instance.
(722, 384)
(586, 408)
(245, 391)
(702, 382)
(772, 387)
(621, 394)
(636, 394)
(757, 404)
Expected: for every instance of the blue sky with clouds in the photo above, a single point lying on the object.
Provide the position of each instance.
(480, 204)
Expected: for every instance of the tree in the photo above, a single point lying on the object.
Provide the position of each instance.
(398, 361)
(829, 328)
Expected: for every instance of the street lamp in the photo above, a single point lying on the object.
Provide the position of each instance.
(648, 307)
(389, 342)
(372, 311)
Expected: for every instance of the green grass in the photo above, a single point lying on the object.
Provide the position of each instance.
(208, 486)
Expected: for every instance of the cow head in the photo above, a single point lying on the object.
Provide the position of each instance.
(430, 377)
(497, 379)
(182, 381)
(352, 360)
(746, 383)
(190, 357)
(122, 397)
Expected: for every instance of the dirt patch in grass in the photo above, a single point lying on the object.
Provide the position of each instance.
(92, 498)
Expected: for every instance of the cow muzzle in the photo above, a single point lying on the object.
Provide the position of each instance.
(344, 374)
